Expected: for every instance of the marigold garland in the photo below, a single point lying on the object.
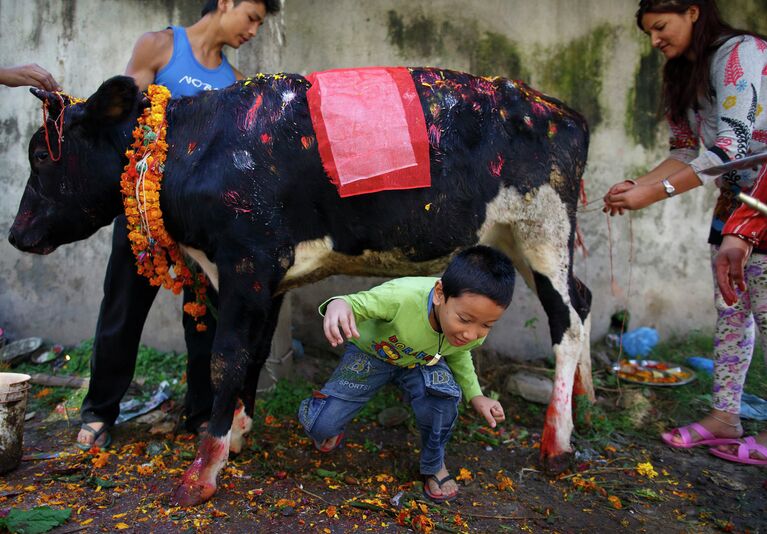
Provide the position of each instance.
(156, 252)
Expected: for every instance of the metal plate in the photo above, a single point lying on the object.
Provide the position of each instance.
(19, 349)
(652, 367)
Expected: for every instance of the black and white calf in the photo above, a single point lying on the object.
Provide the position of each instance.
(246, 194)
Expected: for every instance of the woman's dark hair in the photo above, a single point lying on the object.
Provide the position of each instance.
(272, 6)
(685, 81)
(480, 270)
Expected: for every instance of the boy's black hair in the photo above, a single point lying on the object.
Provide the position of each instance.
(480, 270)
(272, 6)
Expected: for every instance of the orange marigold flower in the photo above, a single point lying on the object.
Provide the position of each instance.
(464, 474)
(100, 460)
(144, 213)
(504, 483)
(144, 470)
(422, 524)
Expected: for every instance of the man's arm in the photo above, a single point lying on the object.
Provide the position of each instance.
(151, 52)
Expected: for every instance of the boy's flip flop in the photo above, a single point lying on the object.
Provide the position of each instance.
(104, 430)
(439, 481)
(707, 438)
(329, 448)
(745, 448)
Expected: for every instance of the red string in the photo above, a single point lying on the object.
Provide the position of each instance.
(614, 285)
(58, 125)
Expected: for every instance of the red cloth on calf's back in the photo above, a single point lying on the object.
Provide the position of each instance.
(370, 127)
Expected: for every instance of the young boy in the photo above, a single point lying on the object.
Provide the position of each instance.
(187, 61)
(417, 333)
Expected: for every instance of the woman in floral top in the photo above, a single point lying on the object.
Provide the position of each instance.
(714, 94)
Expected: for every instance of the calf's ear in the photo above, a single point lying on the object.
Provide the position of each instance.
(114, 102)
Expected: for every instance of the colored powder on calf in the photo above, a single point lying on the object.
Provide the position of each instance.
(496, 166)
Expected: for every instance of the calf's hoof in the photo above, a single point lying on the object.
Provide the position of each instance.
(558, 463)
(192, 493)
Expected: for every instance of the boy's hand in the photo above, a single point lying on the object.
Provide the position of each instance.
(338, 313)
(490, 409)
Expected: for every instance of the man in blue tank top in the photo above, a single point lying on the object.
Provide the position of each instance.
(186, 61)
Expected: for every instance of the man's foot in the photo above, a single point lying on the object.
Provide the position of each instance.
(718, 425)
(440, 486)
(329, 444)
(94, 434)
(751, 450)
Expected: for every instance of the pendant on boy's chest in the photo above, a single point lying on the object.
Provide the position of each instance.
(437, 356)
(435, 360)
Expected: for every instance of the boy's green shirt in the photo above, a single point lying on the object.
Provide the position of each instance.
(393, 322)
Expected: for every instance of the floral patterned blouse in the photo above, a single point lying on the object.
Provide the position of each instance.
(731, 125)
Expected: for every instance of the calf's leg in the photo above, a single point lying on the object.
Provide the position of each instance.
(541, 243)
(241, 321)
(243, 415)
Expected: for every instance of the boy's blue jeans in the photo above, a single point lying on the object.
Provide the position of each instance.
(433, 392)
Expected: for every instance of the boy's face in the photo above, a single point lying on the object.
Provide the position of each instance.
(241, 22)
(466, 318)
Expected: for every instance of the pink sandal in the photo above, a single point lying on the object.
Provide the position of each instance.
(745, 447)
(684, 432)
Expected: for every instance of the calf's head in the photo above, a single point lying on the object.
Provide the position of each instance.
(76, 159)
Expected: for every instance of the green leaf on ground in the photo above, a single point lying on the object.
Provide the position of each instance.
(100, 482)
(37, 520)
(324, 473)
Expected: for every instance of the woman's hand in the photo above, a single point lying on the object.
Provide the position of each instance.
(729, 264)
(635, 197)
(620, 187)
(488, 408)
(338, 313)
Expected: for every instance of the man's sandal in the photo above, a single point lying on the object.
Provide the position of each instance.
(440, 481)
(103, 431)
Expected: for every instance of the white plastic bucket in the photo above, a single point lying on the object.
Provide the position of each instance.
(14, 388)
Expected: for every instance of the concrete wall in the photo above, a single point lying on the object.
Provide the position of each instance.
(588, 53)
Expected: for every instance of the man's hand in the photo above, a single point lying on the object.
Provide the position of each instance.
(488, 408)
(729, 264)
(338, 313)
(33, 75)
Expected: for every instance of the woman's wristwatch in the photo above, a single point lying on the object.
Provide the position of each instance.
(670, 189)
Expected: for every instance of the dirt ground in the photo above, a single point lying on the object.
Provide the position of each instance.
(279, 483)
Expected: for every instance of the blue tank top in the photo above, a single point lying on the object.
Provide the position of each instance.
(184, 76)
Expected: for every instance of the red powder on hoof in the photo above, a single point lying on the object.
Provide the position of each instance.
(549, 438)
(199, 481)
(578, 387)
